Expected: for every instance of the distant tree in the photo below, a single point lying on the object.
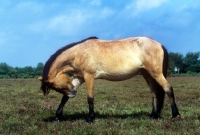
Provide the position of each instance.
(175, 60)
(12, 73)
(6, 71)
(29, 72)
(4, 68)
(192, 62)
(39, 69)
(19, 73)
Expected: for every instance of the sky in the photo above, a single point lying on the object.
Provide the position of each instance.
(32, 30)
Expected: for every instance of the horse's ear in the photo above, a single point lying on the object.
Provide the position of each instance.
(39, 78)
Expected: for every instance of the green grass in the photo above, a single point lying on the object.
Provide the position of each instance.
(121, 108)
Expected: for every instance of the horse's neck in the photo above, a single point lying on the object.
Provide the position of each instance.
(61, 64)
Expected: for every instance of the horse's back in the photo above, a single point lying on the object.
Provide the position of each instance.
(129, 50)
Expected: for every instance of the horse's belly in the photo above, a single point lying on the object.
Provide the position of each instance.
(118, 73)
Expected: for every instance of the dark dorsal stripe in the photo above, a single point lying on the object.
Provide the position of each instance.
(57, 53)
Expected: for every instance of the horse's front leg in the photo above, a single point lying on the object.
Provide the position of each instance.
(89, 80)
(59, 111)
(91, 115)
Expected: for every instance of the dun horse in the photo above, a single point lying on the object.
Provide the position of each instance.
(113, 60)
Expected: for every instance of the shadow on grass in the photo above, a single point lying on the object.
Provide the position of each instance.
(83, 116)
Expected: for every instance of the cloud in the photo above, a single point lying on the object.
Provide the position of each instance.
(143, 5)
(67, 24)
(72, 22)
(139, 6)
(30, 7)
(106, 12)
(184, 16)
(95, 2)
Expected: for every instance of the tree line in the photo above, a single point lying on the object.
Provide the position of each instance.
(178, 64)
(7, 71)
(188, 64)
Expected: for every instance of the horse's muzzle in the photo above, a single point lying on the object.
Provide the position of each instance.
(72, 93)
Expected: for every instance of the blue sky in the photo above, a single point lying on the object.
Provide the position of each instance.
(31, 31)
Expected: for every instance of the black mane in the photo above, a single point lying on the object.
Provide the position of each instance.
(56, 54)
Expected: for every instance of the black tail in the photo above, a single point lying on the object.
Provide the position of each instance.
(165, 61)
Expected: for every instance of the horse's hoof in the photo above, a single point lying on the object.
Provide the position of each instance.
(89, 120)
(154, 117)
(56, 120)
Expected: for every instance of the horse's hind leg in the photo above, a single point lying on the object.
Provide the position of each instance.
(158, 95)
(161, 80)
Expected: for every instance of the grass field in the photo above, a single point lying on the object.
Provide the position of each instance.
(121, 108)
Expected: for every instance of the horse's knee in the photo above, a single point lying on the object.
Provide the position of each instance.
(90, 100)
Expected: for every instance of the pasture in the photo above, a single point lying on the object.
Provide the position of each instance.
(122, 108)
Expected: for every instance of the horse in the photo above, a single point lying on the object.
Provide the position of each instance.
(113, 60)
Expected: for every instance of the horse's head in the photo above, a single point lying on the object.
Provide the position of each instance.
(61, 84)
